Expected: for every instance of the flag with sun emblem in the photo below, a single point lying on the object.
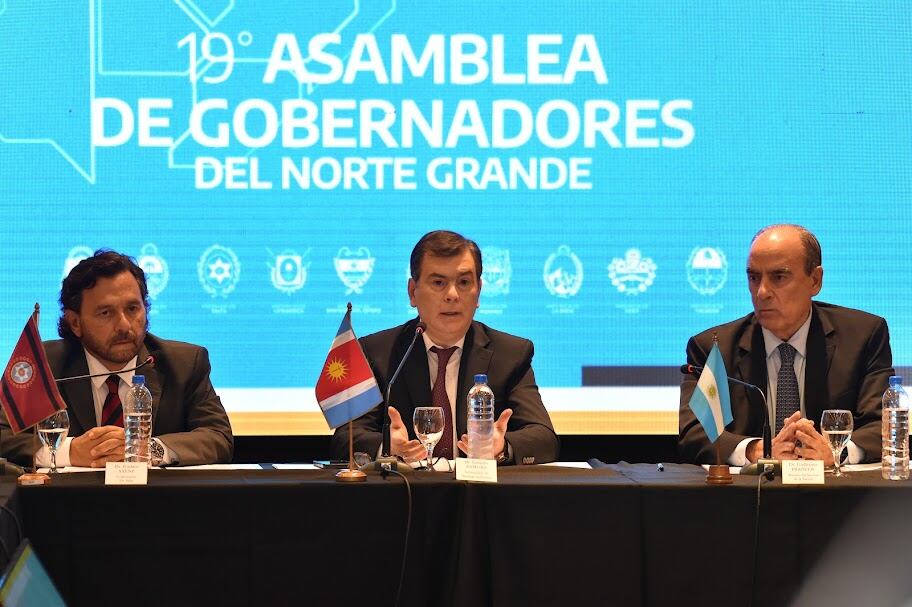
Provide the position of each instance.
(710, 401)
(28, 392)
(346, 388)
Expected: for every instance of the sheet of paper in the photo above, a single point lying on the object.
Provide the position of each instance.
(218, 467)
(71, 469)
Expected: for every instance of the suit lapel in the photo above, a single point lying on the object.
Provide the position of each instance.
(476, 358)
(821, 345)
(752, 369)
(153, 383)
(78, 393)
(415, 377)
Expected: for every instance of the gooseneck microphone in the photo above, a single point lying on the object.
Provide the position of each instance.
(765, 465)
(150, 360)
(385, 450)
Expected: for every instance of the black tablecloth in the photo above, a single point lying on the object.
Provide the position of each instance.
(622, 534)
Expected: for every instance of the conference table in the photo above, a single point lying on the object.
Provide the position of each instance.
(621, 534)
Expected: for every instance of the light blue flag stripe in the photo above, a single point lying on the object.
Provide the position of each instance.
(711, 401)
(352, 408)
(716, 363)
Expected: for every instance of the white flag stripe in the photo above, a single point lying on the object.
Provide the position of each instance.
(344, 395)
(342, 338)
(707, 379)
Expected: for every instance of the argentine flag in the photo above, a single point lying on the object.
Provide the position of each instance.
(710, 401)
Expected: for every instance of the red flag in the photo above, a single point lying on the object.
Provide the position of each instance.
(28, 391)
(346, 388)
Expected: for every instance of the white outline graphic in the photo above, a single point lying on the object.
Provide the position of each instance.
(201, 20)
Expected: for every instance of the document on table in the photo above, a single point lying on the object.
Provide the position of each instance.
(846, 468)
(71, 469)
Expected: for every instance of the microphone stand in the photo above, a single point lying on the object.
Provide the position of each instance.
(387, 462)
(150, 360)
(766, 465)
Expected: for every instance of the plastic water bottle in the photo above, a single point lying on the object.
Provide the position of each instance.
(137, 410)
(894, 464)
(481, 419)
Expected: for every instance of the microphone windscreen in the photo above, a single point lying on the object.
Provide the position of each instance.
(421, 327)
(153, 357)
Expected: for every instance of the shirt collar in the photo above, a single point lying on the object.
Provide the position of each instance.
(428, 343)
(96, 366)
(798, 340)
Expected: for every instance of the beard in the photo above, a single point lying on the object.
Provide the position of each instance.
(120, 349)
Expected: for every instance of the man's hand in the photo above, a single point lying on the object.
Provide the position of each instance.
(813, 444)
(409, 450)
(754, 451)
(784, 442)
(98, 446)
(498, 443)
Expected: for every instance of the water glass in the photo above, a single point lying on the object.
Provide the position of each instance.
(52, 431)
(836, 426)
(429, 426)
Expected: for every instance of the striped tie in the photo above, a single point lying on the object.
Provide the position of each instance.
(440, 399)
(112, 411)
(787, 398)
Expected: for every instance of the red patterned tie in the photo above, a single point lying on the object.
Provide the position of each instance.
(440, 399)
(112, 411)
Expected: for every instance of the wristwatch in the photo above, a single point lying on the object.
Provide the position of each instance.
(157, 451)
(502, 456)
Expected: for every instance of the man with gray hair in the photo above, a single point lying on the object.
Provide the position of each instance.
(807, 356)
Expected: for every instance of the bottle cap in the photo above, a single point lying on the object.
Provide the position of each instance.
(896, 380)
(139, 379)
(481, 378)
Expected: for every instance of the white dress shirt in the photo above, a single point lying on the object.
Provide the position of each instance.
(773, 362)
(99, 394)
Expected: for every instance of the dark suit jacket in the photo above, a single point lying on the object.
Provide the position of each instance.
(507, 361)
(848, 366)
(187, 414)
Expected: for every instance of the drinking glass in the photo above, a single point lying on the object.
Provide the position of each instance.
(429, 422)
(52, 431)
(836, 426)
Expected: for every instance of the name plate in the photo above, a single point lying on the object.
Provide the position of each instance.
(802, 472)
(476, 470)
(126, 473)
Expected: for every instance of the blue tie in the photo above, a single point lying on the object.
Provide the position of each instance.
(787, 399)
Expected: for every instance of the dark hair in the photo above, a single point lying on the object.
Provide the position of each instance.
(103, 264)
(813, 256)
(443, 243)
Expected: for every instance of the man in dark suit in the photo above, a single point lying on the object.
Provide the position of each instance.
(104, 329)
(444, 286)
(806, 356)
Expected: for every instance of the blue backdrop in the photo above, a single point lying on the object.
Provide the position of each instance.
(799, 113)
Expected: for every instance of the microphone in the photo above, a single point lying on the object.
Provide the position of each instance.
(387, 461)
(150, 360)
(766, 465)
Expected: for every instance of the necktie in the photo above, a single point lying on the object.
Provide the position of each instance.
(112, 411)
(787, 398)
(439, 398)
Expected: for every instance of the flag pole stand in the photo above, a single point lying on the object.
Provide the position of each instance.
(33, 478)
(351, 474)
(719, 473)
